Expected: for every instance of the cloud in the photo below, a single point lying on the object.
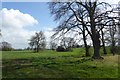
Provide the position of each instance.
(13, 25)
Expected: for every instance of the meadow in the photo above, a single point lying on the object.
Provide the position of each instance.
(52, 64)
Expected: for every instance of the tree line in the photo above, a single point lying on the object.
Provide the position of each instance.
(38, 42)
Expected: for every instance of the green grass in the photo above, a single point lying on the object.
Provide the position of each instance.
(30, 54)
(52, 64)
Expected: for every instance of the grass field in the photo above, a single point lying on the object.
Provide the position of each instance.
(52, 64)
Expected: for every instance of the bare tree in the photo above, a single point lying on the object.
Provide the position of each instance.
(112, 36)
(71, 11)
(53, 45)
(38, 41)
(73, 23)
(5, 46)
(31, 43)
(67, 42)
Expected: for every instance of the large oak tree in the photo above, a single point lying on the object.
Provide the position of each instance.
(38, 41)
(84, 14)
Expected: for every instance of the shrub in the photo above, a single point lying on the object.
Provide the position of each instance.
(60, 49)
(6, 49)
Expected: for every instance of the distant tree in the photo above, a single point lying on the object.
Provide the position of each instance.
(5, 46)
(31, 43)
(53, 45)
(67, 42)
(111, 37)
(38, 42)
(27, 48)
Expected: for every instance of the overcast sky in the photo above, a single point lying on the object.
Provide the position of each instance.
(20, 20)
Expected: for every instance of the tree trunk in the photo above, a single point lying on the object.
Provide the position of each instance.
(113, 49)
(86, 49)
(95, 37)
(85, 43)
(37, 48)
(96, 41)
(103, 42)
(96, 46)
